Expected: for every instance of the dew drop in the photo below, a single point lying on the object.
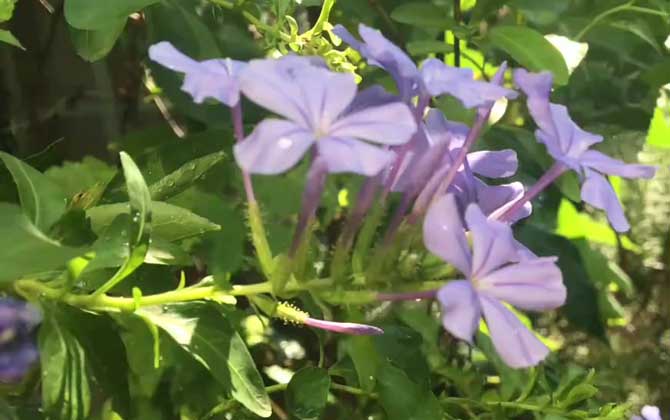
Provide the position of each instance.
(285, 143)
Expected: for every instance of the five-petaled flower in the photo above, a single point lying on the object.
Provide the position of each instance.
(570, 146)
(17, 342)
(216, 78)
(321, 111)
(495, 272)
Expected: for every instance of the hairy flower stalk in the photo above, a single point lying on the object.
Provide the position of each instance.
(311, 197)
(430, 192)
(238, 127)
(402, 296)
(507, 214)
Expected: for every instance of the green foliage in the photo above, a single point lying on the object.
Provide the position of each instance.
(307, 393)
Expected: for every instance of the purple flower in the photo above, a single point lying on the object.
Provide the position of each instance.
(570, 145)
(17, 345)
(491, 199)
(438, 78)
(381, 52)
(494, 273)
(215, 78)
(649, 412)
(321, 110)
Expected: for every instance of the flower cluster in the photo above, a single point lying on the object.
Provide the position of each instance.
(402, 145)
(17, 344)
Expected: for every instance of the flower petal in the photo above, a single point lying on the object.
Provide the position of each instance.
(569, 141)
(392, 124)
(494, 164)
(597, 191)
(381, 52)
(605, 164)
(492, 242)
(459, 83)
(496, 199)
(650, 412)
(516, 345)
(535, 285)
(299, 90)
(350, 155)
(537, 87)
(460, 309)
(273, 147)
(206, 79)
(440, 129)
(444, 235)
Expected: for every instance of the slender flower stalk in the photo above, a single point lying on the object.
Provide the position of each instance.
(395, 297)
(238, 129)
(316, 181)
(507, 214)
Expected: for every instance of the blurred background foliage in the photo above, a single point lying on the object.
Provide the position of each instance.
(77, 88)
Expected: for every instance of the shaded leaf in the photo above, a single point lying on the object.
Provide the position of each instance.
(84, 14)
(184, 177)
(403, 399)
(94, 44)
(422, 14)
(307, 393)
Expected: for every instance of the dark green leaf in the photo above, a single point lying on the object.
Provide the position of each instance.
(208, 336)
(25, 250)
(184, 177)
(530, 49)
(541, 12)
(84, 14)
(94, 44)
(422, 14)
(41, 199)
(65, 384)
(639, 28)
(581, 307)
(428, 47)
(169, 222)
(307, 393)
(403, 399)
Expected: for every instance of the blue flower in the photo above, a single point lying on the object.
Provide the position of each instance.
(17, 345)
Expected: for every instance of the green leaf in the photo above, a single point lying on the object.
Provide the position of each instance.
(422, 14)
(41, 199)
(578, 394)
(25, 250)
(77, 177)
(141, 340)
(541, 12)
(659, 130)
(8, 38)
(139, 232)
(366, 360)
(94, 44)
(85, 14)
(428, 47)
(169, 222)
(65, 383)
(208, 336)
(307, 393)
(639, 28)
(530, 49)
(403, 399)
(184, 177)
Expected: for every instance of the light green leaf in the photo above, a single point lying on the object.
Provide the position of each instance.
(91, 15)
(182, 178)
(169, 222)
(530, 49)
(41, 199)
(8, 38)
(94, 44)
(139, 231)
(6, 9)
(307, 393)
(208, 336)
(65, 383)
(659, 130)
(24, 250)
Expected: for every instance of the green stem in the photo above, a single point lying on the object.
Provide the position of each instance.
(333, 385)
(324, 16)
(260, 240)
(627, 6)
